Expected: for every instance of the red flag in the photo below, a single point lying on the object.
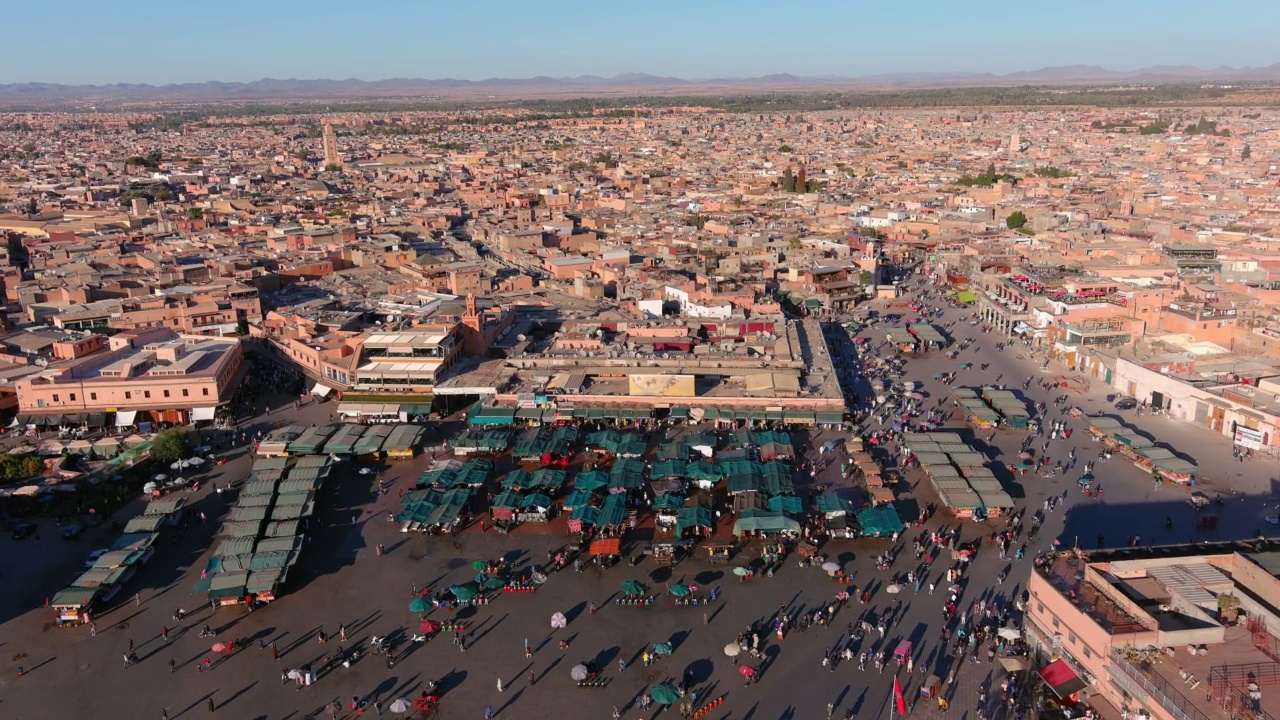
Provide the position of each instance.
(898, 700)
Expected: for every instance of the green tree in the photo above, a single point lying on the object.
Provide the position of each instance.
(788, 181)
(1016, 220)
(697, 220)
(1246, 153)
(169, 446)
(1050, 171)
(195, 213)
(333, 167)
(785, 149)
(795, 243)
(14, 468)
(865, 277)
(924, 234)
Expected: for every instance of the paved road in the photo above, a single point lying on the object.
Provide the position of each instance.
(341, 581)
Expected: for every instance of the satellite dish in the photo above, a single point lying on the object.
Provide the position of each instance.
(521, 338)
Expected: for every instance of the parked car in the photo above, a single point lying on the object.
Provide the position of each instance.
(1126, 404)
(24, 530)
(93, 557)
(72, 531)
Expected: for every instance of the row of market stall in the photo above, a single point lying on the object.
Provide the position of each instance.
(392, 441)
(989, 407)
(960, 474)
(1158, 461)
(264, 533)
(110, 571)
(917, 337)
(484, 415)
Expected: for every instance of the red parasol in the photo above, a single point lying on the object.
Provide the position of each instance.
(746, 671)
(428, 626)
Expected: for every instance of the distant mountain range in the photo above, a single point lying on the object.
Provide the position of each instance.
(587, 85)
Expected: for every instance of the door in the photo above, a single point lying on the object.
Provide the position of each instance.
(1202, 413)
(1133, 389)
(1157, 400)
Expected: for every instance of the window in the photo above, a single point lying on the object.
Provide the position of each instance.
(73, 397)
(55, 398)
(1071, 638)
(1087, 652)
(185, 392)
(166, 393)
(128, 395)
(1039, 609)
(146, 394)
(205, 391)
(93, 396)
(1056, 624)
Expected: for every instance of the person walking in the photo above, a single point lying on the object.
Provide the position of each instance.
(500, 688)
(212, 705)
(488, 712)
(275, 652)
(173, 665)
(164, 634)
(342, 633)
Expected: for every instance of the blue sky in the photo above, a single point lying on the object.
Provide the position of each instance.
(146, 41)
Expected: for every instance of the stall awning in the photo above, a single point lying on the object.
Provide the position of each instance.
(321, 390)
(203, 413)
(1064, 681)
(125, 418)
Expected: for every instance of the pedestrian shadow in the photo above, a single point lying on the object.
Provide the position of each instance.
(301, 639)
(405, 688)
(489, 629)
(509, 703)
(33, 668)
(237, 694)
(199, 701)
(840, 697)
(551, 667)
(711, 618)
(544, 642)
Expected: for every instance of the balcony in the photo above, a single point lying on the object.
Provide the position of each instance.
(1141, 680)
(1201, 312)
(1065, 572)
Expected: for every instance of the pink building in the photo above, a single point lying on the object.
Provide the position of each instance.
(1159, 634)
(154, 375)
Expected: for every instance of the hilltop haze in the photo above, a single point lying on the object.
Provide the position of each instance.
(587, 85)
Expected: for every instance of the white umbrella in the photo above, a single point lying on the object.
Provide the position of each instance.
(893, 589)
(195, 461)
(579, 672)
(732, 649)
(161, 477)
(175, 465)
(559, 620)
(400, 706)
(295, 674)
(1009, 633)
(831, 566)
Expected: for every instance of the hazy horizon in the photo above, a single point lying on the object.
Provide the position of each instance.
(149, 42)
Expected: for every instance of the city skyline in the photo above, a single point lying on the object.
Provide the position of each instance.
(99, 45)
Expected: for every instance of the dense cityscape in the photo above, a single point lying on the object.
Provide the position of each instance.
(632, 403)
